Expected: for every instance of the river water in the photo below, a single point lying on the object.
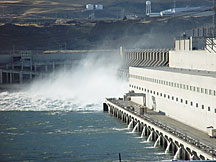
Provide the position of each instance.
(71, 136)
(60, 118)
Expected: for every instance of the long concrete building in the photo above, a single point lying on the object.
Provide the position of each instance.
(173, 103)
(186, 90)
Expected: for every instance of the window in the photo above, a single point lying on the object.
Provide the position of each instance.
(142, 89)
(197, 105)
(191, 103)
(168, 96)
(186, 102)
(161, 94)
(148, 91)
(214, 93)
(177, 85)
(145, 89)
(157, 93)
(206, 91)
(209, 109)
(172, 97)
(181, 100)
(210, 92)
(151, 91)
(198, 89)
(187, 87)
(180, 85)
(203, 107)
(190, 88)
(183, 86)
(176, 98)
(164, 95)
(202, 90)
(154, 92)
(194, 89)
(215, 110)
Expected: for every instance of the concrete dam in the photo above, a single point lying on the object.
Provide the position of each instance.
(171, 98)
(23, 66)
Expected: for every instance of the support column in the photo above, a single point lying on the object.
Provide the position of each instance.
(22, 66)
(30, 75)
(1, 77)
(20, 77)
(11, 77)
(46, 68)
(7, 77)
(53, 66)
(31, 66)
(35, 67)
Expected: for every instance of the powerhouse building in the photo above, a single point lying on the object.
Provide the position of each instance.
(186, 89)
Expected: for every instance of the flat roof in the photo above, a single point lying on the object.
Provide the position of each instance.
(182, 71)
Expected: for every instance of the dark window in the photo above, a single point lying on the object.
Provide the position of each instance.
(181, 100)
(148, 91)
(209, 109)
(203, 107)
(164, 95)
(168, 96)
(186, 102)
(172, 98)
(197, 105)
(145, 90)
(142, 89)
(191, 103)
(154, 92)
(151, 91)
(176, 98)
(215, 110)
(157, 93)
(160, 94)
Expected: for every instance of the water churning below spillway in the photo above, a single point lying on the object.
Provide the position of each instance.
(80, 88)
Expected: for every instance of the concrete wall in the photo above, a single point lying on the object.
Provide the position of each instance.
(199, 60)
(5, 59)
(176, 102)
(138, 99)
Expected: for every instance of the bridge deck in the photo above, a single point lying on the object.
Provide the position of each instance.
(194, 136)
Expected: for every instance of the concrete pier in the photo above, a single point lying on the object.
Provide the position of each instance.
(166, 132)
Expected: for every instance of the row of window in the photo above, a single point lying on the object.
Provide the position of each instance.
(177, 85)
(171, 97)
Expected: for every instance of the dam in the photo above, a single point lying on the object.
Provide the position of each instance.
(171, 97)
(23, 66)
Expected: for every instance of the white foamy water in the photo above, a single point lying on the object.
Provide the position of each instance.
(82, 88)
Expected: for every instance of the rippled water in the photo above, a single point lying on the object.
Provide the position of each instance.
(70, 136)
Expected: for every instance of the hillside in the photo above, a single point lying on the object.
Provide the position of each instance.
(70, 9)
(65, 24)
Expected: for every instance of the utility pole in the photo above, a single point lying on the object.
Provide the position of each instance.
(174, 6)
(119, 157)
(213, 19)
